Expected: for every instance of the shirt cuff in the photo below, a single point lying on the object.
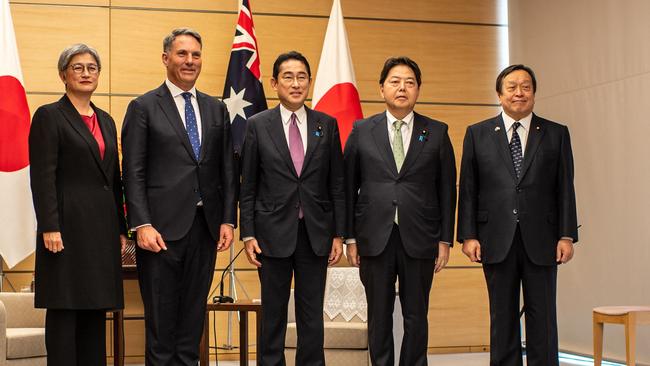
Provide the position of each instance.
(137, 227)
(567, 238)
(444, 242)
(229, 224)
(245, 239)
(350, 241)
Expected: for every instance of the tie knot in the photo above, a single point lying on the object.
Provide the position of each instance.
(293, 119)
(397, 125)
(515, 126)
(187, 96)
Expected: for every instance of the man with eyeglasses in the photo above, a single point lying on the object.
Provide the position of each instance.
(292, 210)
(401, 197)
(180, 190)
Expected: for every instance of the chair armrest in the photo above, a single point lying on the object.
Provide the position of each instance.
(21, 312)
(3, 334)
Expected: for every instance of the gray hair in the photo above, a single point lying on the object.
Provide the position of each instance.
(77, 49)
(167, 42)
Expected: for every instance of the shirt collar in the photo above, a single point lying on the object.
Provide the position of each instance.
(408, 119)
(285, 114)
(176, 91)
(509, 121)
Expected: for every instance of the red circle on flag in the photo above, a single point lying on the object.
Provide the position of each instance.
(14, 125)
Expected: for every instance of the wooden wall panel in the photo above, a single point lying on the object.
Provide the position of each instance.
(459, 309)
(50, 3)
(42, 32)
(136, 41)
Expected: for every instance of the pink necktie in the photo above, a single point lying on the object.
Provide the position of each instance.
(296, 149)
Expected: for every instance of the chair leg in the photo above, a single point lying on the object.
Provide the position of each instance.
(630, 339)
(598, 342)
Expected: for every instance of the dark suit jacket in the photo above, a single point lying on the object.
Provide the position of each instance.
(162, 178)
(272, 190)
(492, 201)
(424, 190)
(79, 194)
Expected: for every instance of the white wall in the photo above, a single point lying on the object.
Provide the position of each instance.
(592, 60)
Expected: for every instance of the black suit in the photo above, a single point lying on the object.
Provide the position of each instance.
(78, 194)
(272, 193)
(424, 192)
(518, 223)
(164, 182)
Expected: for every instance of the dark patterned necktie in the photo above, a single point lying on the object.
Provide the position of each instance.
(191, 126)
(515, 149)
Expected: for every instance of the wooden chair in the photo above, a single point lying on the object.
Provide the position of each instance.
(629, 316)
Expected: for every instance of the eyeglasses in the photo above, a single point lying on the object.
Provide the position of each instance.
(300, 78)
(79, 68)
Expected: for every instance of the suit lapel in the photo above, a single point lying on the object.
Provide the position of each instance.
(500, 138)
(276, 132)
(415, 146)
(312, 140)
(168, 106)
(380, 134)
(206, 119)
(73, 117)
(535, 134)
(109, 147)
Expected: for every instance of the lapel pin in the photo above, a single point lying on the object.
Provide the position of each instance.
(537, 128)
(423, 135)
(497, 128)
(319, 131)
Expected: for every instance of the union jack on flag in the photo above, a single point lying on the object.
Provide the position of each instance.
(243, 92)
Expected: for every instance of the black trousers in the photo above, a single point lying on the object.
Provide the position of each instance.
(378, 275)
(174, 285)
(539, 284)
(75, 337)
(275, 275)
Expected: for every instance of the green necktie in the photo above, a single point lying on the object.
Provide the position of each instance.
(398, 150)
(398, 145)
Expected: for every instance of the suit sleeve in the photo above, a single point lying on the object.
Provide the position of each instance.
(134, 164)
(229, 173)
(43, 158)
(118, 191)
(337, 181)
(566, 191)
(250, 172)
(447, 188)
(468, 191)
(352, 177)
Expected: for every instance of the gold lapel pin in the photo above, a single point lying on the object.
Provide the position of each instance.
(497, 128)
(537, 128)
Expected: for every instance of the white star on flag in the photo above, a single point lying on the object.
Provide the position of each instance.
(236, 103)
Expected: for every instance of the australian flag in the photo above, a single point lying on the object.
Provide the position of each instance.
(243, 92)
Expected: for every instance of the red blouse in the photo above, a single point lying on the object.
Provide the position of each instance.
(93, 126)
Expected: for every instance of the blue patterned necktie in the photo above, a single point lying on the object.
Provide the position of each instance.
(191, 125)
(515, 149)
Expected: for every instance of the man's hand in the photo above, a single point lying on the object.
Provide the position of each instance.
(150, 239)
(443, 256)
(252, 250)
(335, 253)
(472, 249)
(53, 241)
(351, 253)
(564, 251)
(123, 242)
(226, 234)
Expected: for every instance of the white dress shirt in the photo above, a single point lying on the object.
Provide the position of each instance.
(301, 116)
(522, 131)
(180, 104)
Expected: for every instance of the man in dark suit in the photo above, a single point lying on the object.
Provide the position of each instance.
(180, 192)
(401, 198)
(517, 216)
(292, 210)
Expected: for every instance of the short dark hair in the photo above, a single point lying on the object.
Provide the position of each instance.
(400, 60)
(171, 37)
(291, 55)
(512, 68)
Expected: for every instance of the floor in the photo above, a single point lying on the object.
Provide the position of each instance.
(469, 359)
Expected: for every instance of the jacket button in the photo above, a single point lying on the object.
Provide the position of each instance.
(297, 206)
(195, 190)
(514, 211)
(394, 202)
(106, 188)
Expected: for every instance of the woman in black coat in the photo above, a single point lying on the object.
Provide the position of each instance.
(77, 192)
